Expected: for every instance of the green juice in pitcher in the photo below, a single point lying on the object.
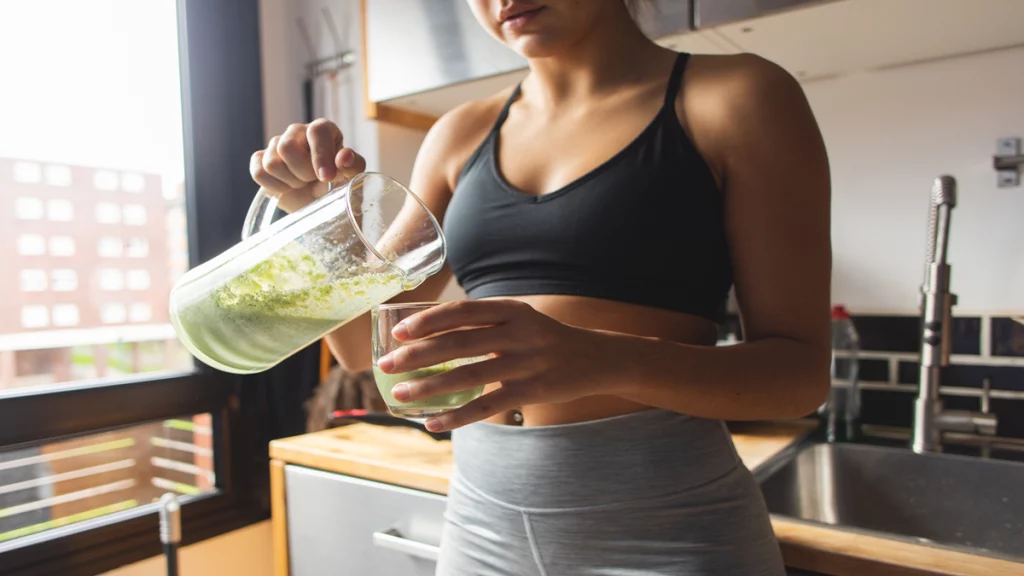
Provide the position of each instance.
(281, 305)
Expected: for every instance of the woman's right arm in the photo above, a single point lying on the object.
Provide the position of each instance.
(297, 167)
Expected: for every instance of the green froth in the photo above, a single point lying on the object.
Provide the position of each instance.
(277, 307)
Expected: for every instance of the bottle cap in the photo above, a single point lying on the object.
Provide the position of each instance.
(839, 312)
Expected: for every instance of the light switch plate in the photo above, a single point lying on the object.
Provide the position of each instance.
(1008, 147)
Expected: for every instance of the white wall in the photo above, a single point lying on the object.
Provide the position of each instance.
(245, 552)
(889, 134)
(284, 53)
(398, 146)
(281, 57)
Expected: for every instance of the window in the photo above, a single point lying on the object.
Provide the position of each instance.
(108, 213)
(28, 208)
(28, 172)
(65, 315)
(62, 246)
(104, 180)
(137, 248)
(134, 214)
(60, 483)
(140, 312)
(91, 377)
(138, 280)
(110, 247)
(111, 279)
(132, 182)
(63, 280)
(35, 316)
(31, 245)
(33, 280)
(58, 175)
(60, 210)
(113, 313)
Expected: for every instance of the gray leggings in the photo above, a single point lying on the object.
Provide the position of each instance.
(645, 494)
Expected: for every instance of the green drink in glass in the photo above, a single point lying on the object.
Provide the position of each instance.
(384, 318)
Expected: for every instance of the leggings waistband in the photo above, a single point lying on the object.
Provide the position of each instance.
(613, 460)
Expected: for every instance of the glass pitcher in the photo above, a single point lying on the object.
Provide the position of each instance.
(293, 280)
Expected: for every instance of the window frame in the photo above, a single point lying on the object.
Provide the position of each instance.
(222, 113)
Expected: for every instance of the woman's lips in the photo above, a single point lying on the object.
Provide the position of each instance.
(519, 21)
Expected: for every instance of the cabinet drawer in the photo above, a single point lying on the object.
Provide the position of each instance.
(347, 526)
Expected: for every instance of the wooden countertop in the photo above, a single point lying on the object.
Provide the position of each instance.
(407, 457)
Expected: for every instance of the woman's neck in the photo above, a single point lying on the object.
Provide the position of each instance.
(615, 52)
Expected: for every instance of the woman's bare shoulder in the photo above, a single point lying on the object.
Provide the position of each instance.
(724, 97)
(460, 131)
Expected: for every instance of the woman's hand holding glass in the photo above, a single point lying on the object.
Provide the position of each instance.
(532, 358)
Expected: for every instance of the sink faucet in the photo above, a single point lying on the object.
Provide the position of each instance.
(930, 420)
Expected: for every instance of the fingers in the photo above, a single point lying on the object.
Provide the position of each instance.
(293, 148)
(276, 167)
(501, 400)
(458, 315)
(262, 177)
(446, 347)
(301, 155)
(325, 141)
(349, 164)
(461, 378)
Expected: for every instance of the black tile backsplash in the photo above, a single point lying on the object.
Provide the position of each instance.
(1011, 417)
(896, 408)
(966, 335)
(1007, 337)
(886, 407)
(873, 370)
(888, 333)
(961, 403)
(968, 375)
(1002, 377)
(908, 372)
(903, 334)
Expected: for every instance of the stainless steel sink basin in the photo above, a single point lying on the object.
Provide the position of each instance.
(941, 499)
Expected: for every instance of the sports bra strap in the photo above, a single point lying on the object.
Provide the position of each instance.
(504, 109)
(675, 80)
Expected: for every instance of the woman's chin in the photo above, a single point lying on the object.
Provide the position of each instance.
(537, 46)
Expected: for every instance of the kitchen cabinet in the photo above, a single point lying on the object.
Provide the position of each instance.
(339, 524)
(427, 62)
(709, 13)
(823, 39)
(413, 46)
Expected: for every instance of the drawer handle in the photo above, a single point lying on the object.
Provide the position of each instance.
(393, 540)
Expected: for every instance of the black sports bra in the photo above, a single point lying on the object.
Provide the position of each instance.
(645, 227)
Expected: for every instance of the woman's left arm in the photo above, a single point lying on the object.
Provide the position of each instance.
(774, 170)
(760, 136)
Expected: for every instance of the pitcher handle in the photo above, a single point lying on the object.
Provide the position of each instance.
(261, 213)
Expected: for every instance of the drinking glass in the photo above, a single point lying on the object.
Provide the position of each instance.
(384, 318)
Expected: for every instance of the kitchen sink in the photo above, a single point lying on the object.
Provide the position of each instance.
(938, 499)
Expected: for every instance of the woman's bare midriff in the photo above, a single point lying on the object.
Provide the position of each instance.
(611, 316)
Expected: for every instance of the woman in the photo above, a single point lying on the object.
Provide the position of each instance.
(597, 216)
